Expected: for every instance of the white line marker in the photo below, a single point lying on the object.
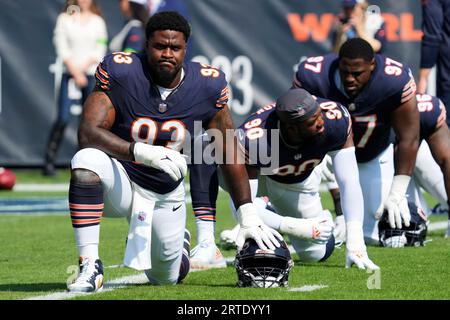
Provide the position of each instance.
(109, 286)
(308, 288)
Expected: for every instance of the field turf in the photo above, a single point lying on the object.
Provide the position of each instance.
(38, 255)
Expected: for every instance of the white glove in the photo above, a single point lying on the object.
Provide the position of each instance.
(356, 252)
(339, 229)
(361, 259)
(161, 158)
(396, 203)
(318, 229)
(251, 226)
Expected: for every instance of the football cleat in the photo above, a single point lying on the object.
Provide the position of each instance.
(228, 238)
(90, 278)
(206, 255)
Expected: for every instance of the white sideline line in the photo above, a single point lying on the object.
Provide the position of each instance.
(308, 288)
(434, 226)
(43, 187)
(46, 187)
(109, 286)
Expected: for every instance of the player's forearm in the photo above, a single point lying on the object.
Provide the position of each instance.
(405, 156)
(236, 179)
(105, 140)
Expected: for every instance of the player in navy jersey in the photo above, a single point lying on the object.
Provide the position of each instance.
(379, 93)
(141, 114)
(297, 132)
(432, 171)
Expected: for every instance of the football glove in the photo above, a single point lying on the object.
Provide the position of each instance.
(161, 158)
(251, 226)
(318, 229)
(356, 252)
(396, 203)
(361, 259)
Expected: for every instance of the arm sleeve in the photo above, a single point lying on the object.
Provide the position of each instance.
(347, 176)
(432, 22)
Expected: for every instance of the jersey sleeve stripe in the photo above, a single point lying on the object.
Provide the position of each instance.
(100, 79)
(409, 91)
(103, 72)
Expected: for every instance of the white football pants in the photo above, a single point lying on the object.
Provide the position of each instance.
(298, 200)
(427, 175)
(375, 177)
(168, 224)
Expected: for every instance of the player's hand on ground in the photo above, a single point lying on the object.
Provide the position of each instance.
(360, 259)
(251, 226)
(161, 158)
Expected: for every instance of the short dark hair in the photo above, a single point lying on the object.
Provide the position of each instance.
(357, 48)
(168, 20)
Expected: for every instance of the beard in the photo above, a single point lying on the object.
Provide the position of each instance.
(163, 75)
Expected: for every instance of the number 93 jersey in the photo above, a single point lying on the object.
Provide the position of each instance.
(390, 85)
(143, 116)
(290, 164)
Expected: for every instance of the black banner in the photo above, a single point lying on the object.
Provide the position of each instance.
(257, 43)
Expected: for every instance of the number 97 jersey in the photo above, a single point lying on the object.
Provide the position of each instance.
(390, 86)
(143, 115)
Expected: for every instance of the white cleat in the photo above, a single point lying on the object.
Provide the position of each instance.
(90, 278)
(206, 255)
(228, 238)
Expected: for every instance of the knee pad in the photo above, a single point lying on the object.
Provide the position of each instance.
(93, 160)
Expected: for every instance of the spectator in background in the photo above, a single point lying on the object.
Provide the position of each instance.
(132, 36)
(356, 21)
(80, 40)
(436, 48)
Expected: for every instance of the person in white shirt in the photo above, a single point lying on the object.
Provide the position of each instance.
(80, 40)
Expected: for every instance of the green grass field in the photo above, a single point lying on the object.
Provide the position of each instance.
(38, 254)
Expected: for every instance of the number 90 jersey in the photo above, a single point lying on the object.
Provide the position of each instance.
(142, 115)
(390, 85)
(293, 164)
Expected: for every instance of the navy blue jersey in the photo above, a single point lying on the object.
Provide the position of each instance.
(430, 110)
(390, 86)
(295, 164)
(142, 115)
